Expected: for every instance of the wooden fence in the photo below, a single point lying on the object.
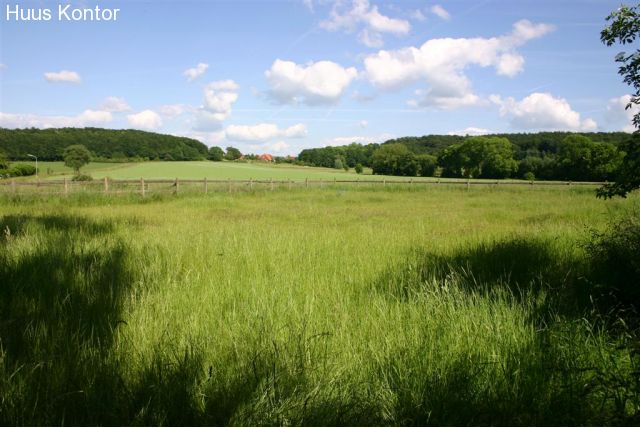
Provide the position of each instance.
(150, 186)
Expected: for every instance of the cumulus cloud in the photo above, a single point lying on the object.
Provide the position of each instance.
(618, 114)
(264, 132)
(173, 110)
(114, 104)
(316, 83)
(441, 63)
(86, 118)
(363, 124)
(470, 131)
(349, 16)
(193, 73)
(360, 139)
(147, 119)
(276, 147)
(543, 111)
(440, 12)
(63, 77)
(219, 98)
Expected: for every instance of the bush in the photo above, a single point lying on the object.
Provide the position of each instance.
(615, 257)
(82, 177)
(529, 176)
(359, 169)
(22, 169)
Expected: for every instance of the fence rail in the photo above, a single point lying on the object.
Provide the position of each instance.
(150, 186)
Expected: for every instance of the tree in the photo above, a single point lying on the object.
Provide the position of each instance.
(76, 156)
(624, 28)
(479, 157)
(394, 159)
(428, 164)
(359, 169)
(232, 154)
(216, 154)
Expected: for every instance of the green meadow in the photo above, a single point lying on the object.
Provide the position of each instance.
(332, 306)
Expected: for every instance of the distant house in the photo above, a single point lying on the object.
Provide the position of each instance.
(266, 157)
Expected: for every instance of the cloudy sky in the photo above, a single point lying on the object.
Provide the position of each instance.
(280, 76)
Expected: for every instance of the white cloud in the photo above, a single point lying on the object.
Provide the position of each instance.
(322, 82)
(618, 114)
(63, 76)
(442, 64)
(86, 118)
(360, 139)
(114, 104)
(193, 73)
(219, 98)
(276, 147)
(348, 16)
(146, 119)
(173, 110)
(363, 124)
(542, 111)
(440, 12)
(208, 138)
(418, 15)
(470, 131)
(264, 132)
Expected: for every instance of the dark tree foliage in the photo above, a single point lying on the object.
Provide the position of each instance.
(479, 157)
(76, 156)
(325, 157)
(216, 154)
(624, 28)
(581, 159)
(232, 153)
(394, 159)
(428, 164)
(49, 144)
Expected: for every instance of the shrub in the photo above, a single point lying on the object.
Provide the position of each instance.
(359, 169)
(615, 257)
(22, 169)
(529, 176)
(82, 177)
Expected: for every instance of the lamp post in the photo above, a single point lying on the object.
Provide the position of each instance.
(35, 157)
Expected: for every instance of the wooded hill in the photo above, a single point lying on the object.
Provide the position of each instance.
(48, 144)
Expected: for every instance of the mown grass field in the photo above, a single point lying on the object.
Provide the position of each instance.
(195, 170)
(328, 306)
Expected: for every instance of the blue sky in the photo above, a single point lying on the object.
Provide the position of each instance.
(280, 76)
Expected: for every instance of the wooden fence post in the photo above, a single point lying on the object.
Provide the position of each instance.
(106, 184)
(13, 186)
(177, 184)
(289, 183)
(468, 184)
(384, 182)
(271, 184)
(206, 185)
(250, 184)
(306, 183)
(66, 186)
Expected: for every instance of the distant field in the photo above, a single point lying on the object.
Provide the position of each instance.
(195, 170)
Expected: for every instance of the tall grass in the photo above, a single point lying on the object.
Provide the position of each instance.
(332, 306)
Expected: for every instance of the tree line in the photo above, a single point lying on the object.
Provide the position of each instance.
(104, 144)
(544, 156)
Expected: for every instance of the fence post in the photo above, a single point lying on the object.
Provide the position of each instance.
(468, 184)
(289, 183)
(206, 185)
(177, 184)
(66, 186)
(321, 183)
(229, 182)
(106, 184)
(250, 184)
(306, 183)
(271, 184)
(334, 181)
(384, 182)
(142, 189)
(13, 185)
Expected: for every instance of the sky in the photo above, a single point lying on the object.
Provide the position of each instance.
(281, 76)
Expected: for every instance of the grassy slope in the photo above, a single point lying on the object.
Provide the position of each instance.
(298, 306)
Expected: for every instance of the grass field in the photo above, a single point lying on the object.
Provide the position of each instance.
(332, 306)
(195, 170)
